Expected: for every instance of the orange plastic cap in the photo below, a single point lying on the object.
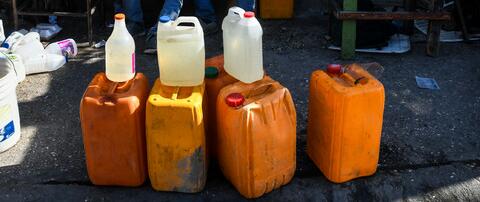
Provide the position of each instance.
(119, 16)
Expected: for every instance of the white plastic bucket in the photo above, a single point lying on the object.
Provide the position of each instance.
(9, 117)
(15, 62)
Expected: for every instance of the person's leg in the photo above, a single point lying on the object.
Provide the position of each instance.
(247, 5)
(170, 8)
(133, 10)
(205, 11)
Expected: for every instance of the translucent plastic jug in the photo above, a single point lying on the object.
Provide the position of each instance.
(120, 52)
(44, 63)
(28, 46)
(66, 47)
(13, 38)
(242, 40)
(181, 52)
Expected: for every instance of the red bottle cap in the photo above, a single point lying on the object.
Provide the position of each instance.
(334, 69)
(235, 100)
(249, 14)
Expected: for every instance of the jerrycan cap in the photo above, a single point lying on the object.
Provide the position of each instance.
(334, 69)
(164, 19)
(211, 72)
(249, 14)
(119, 16)
(235, 100)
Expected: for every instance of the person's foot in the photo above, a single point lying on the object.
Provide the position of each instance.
(135, 28)
(151, 42)
(209, 28)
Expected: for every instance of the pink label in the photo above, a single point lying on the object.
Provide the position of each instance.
(133, 62)
(67, 47)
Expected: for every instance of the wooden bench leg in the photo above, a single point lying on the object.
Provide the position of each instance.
(434, 28)
(349, 31)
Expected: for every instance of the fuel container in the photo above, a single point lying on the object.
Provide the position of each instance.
(345, 123)
(256, 136)
(176, 147)
(112, 116)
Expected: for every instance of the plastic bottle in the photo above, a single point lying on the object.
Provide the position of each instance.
(12, 39)
(14, 62)
(44, 63)
(2, 34)
(229, 26)
(28, 46)
(120, 52)
(181, 52)
(244, 49)
(66, 47)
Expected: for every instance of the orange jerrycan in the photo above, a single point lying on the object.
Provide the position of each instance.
(256, 136)
(215, 79)
(345, 122)
(113, 123)
(176, 147)
(276, 9)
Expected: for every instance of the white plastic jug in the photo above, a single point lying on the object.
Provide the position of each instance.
(44, 63)
(242, 41)
(2, 32)
(28, 46)
(66, 47)
(12, 61)
(9, 116)
(181, 52)
(120, 52)
(13, 38)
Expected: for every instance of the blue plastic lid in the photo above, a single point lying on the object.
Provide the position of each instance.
(164, 19)
(5, 45)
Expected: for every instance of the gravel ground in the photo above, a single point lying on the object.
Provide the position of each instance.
(430, 147)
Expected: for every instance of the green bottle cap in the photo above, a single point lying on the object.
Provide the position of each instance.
(211, 72)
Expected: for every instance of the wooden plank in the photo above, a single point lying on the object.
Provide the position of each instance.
(349, 31)
(434, 28)
(399, 15)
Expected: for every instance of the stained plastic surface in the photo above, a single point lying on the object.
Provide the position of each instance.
(276, 9)
(213, 85)
(257, 140)
(113, 124)
(345, 123)
(176, 147)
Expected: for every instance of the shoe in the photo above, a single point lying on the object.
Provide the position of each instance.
(135, 28)
(209, 28)
(151, 42)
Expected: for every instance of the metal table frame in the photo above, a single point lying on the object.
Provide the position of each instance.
(19, 11)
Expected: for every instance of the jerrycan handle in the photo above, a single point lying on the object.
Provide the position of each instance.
(188, 19)
(260, 89)
(236, 11)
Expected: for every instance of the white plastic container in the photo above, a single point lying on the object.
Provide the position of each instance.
(66, 47)
(2, 32)
(120, 52)
(28, 46)
(242, 40)
(9, 117)
(14, 62)
(46, 30)
(44, 63)
(13, 38)
(181, 52)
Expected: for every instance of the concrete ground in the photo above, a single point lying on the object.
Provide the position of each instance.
(430, 147)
